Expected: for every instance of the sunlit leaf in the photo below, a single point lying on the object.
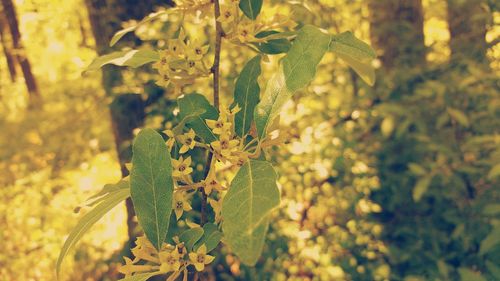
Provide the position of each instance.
(494, 172)
(107, 189)
(490, 241)
(132, 58)
(251, 197)
(273, 99)
(151, 184)
(308, 48)
(356, 53)
(191, 236)
(421, 187)
(89, 219)
(118, 35)
(491, 209)
(469, 275)
(192, 103)
(251, 8)
(458, 116)
(246, 95)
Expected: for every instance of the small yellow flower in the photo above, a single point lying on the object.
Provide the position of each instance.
(200, 258)
(187, 141)
(245, 32)
(196, 51)
(129, 268)
(170, 261)
(219, 126)
(182, 167)
(239, 158)
(226, 14)
(176, 47)
(211, 183)
(224, 146)
(217, 207)
(171, 139)
(180, 204)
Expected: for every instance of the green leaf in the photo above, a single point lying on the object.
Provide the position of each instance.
(246, 95)
(356, 53)
(191, 236)
(275, 96)
(299, 65)
(490, 241)
(251, 197)
(459, 116)
(494, 172)
(151, 184)
(211, 237)
(272, 46)
(251, 8)
(107, 189)
(141, 276)
(89, 219)
(192, 103)
(469, 275)
(493, 269)
(491, 209)
(132, 58)
(421, 187)
(118, 35)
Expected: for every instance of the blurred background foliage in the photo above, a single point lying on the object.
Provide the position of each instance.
(399, 181)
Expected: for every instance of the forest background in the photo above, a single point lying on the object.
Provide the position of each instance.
(399, 181)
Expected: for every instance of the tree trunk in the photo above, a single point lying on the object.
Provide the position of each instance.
(397, 33)
(10, 14)
(127, 110)
(7, 48)
(467, 20)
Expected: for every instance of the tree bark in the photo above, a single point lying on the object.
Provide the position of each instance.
(10, 14)
(397, 33)
(127, 110)
(467, 21)
(7, 48)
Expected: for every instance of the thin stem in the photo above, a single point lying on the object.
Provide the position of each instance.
(215, 71)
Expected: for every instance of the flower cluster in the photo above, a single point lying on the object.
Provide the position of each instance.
(181, 62)
(170, 259)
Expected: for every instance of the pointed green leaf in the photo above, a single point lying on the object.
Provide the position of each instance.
(421, 187)
(356, 53)
(493, 269)
(251, 197)
(191, 236)
(251, 8)
(459, 116)
(246, 95)
(118, 35)
(299, 65)
(151, 184)
(107, 189)
(272, 46)
(491, 209)
(89, 219)
(490, 241)
(469, 275)
(192, 103)
(211, 237)
(494, 172)
(141, 276)
(132, 58)
(275, 96)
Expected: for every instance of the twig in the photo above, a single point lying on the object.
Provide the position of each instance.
(215, 71)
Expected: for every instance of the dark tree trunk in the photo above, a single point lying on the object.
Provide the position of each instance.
(10, 14)
(467, 21)
(7, 48)
(127, 110)
(396, 32)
